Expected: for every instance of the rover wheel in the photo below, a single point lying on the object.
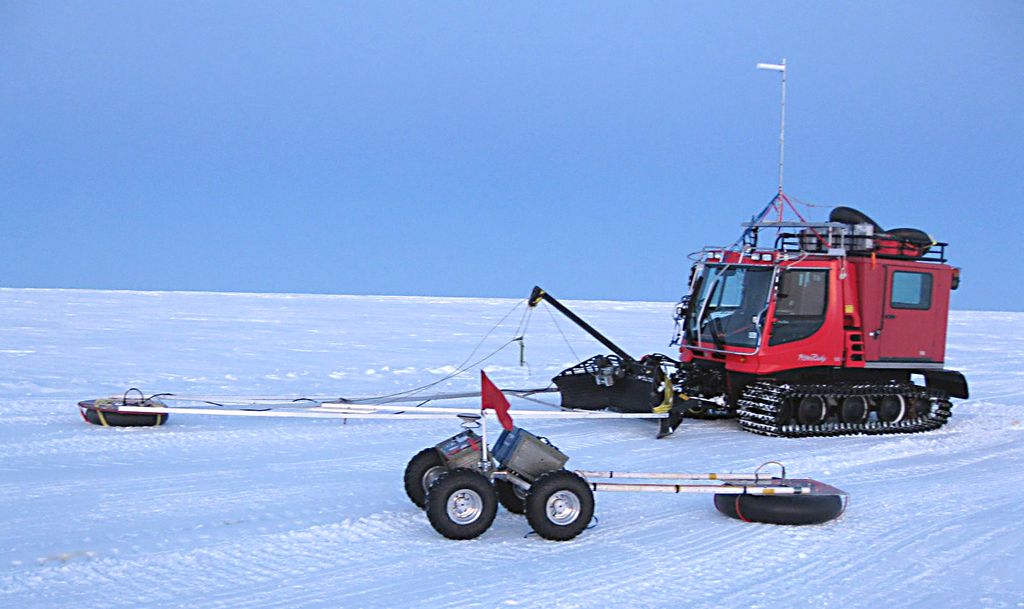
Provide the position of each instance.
(422, 471)
(510, 496)
(559, 505)
(461, 504)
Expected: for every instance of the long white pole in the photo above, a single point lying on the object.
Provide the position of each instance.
(782, 128)
(717, 489)
(322, 413)
(780, 67)
(728, 477)
(512, 412)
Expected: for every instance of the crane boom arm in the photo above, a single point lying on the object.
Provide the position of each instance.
(538, 295)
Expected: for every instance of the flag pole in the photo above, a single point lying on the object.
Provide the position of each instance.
(485, 459)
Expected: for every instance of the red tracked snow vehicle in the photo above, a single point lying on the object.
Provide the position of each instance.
(834, 328)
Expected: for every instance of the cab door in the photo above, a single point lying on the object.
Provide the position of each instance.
(910, 324)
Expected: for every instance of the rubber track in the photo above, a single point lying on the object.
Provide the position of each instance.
(760, 404)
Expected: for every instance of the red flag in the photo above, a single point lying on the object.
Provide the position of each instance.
(493, 398)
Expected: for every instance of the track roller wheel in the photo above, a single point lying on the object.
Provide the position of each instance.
(781, 509)
(461, 504)
(559, 505)
(854, 409)
(811, 410)
(892, 408)
(510, 496)
(422, 471)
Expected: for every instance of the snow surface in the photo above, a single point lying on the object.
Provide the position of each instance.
(239, 512)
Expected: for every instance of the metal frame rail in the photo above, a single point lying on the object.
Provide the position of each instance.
(757, 483)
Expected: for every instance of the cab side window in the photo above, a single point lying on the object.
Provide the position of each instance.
(911, 290)
(800, 306)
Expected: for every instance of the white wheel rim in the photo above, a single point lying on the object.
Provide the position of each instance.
(563, 508)
(465, 506)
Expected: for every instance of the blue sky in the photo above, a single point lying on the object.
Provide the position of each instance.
(478, 149)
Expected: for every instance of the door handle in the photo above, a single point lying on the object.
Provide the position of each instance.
(890, 316)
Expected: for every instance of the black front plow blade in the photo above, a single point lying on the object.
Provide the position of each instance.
(604, 382)
(608, 382)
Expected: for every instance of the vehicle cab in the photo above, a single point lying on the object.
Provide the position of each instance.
(825, 296)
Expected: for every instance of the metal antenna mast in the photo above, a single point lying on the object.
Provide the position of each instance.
(779, 67)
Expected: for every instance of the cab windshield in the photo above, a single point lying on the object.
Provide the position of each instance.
(729, 306)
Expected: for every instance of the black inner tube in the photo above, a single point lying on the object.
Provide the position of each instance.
(781, 509)
(97, 415)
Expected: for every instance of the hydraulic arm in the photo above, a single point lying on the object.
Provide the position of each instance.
(538, 295)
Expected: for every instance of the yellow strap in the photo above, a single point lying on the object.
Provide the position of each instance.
(666, 403)
(103, 419)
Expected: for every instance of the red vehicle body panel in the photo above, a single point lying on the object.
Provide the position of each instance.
(872, 318)
(898, 333)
